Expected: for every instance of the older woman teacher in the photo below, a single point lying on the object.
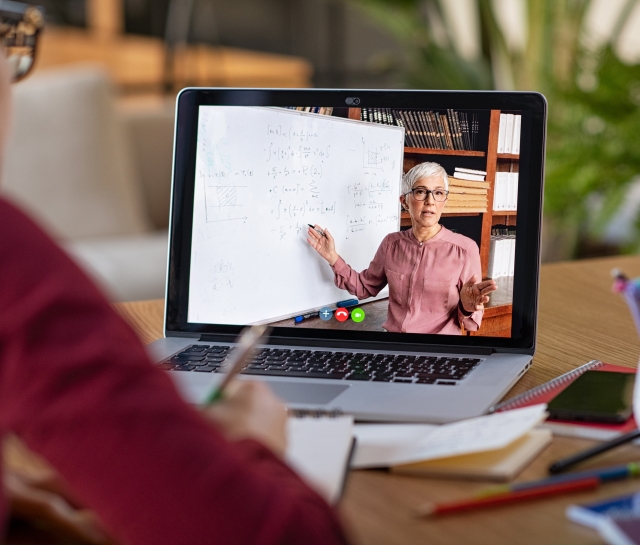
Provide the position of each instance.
(433, 274)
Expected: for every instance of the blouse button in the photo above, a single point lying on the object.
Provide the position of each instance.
(421, 244)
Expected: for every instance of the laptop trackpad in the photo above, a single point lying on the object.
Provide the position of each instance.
(297, 392)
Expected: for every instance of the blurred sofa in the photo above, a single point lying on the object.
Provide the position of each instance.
(96, 174)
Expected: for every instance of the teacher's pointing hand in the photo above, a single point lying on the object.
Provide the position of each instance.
(474, 294)
(323, 243)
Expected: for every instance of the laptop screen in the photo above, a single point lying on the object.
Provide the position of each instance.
(357, 220)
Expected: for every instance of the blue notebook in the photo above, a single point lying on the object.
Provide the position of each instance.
(593, 514)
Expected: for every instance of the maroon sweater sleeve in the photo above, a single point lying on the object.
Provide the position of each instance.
(77, 386)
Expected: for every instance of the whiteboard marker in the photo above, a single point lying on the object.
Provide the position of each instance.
(347, 303)
(319, 231)
(299, 319)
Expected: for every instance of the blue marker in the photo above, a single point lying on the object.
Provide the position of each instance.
(299, 319)
(347, 303)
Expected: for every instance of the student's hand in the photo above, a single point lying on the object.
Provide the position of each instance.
(474, 294)
(45, 501)
(250, 410)
(324, 245)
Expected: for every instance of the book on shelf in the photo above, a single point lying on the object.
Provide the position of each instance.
(469, 176)
(505, 191)
(502, 250)
(471, 171)
(515, 145)
(460, 182)
(509, 133)
(450, 130)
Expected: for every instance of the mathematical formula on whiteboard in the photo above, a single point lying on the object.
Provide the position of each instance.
(262, 175)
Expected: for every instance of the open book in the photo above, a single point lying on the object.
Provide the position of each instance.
(494, 447)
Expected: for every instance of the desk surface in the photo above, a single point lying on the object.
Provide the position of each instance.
(579, 319)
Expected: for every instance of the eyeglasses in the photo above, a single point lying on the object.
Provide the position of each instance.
(20, 25)
(421, 194)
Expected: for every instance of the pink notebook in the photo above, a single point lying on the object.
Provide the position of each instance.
(547, 391)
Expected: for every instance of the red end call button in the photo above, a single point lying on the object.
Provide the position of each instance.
(341, 314)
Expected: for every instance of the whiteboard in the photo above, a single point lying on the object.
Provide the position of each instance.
(262, 175)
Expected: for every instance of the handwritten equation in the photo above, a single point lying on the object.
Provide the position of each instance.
(299, 134)
(280, 153)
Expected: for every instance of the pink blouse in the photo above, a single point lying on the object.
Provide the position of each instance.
(424, 280)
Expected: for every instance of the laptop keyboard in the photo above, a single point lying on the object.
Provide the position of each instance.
(278, 362)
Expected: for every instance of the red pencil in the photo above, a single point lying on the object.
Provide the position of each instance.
(431, 509)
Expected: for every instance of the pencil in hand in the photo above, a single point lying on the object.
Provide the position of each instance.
(246, 345)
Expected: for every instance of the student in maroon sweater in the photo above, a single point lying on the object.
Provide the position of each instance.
(77, 387)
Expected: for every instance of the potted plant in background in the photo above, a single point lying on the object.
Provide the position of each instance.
(593, 146)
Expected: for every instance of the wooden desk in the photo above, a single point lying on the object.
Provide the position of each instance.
(579, 319)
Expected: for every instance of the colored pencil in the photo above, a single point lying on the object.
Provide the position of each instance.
(605, 474)
(433, 509)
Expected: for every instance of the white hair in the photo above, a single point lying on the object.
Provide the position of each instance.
(423, 170)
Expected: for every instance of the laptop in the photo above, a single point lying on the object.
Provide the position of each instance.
(265, 181)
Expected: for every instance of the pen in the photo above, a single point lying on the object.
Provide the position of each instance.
(319, 231)
(606, 474)
(566, 463)
(347, 303)
(431, 509)
(245, 346)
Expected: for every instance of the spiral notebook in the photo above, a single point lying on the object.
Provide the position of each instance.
(547, 391)
(320, 447)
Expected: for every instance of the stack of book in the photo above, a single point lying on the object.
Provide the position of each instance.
(509, 134)
(505, 191)
(502, 251)
(452, 130)
(467, 192)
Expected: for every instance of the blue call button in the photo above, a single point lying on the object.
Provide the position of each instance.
(326, 313)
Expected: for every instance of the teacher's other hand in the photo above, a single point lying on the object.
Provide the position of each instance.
(474, 294)
(323, 244)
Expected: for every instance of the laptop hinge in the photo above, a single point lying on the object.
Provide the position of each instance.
(358, 345)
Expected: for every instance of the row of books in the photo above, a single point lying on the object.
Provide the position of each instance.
(427, 129)
(509, 133)
(312, 109)
(502, 251)
(505, 191)
(467, 192)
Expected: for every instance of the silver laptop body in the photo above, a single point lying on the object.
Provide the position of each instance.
(494, 363)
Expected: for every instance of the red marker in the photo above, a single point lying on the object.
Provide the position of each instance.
(341, 314)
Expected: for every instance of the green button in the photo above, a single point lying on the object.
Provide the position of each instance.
(357, 315)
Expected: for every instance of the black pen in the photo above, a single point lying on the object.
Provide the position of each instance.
(319, 231)
(566, 463)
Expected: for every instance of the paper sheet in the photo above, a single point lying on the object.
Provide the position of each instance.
(319, 451)
(383, 445)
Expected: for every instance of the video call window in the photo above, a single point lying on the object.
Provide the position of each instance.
(314, 217)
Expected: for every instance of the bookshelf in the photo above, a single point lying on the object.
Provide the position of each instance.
(497, 317)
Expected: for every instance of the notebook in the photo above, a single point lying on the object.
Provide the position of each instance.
(272, 162)
(593, 514)
(320, 446)
(547, 391)
(493, 447)
(495, 465)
